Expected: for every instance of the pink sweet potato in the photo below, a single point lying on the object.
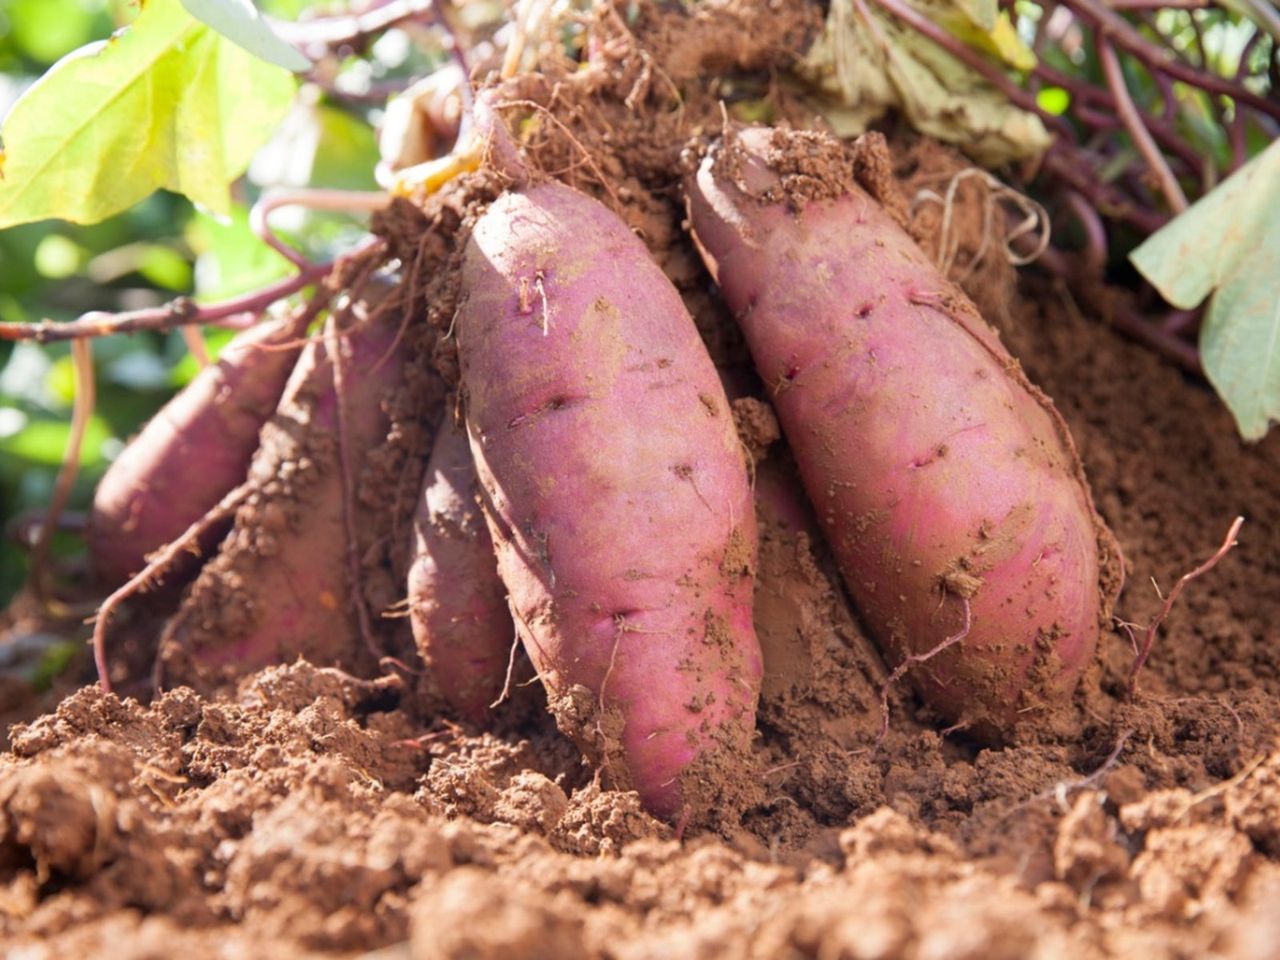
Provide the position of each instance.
(457, 603)
(189, 455)
(280, 586)
(946, 483)
(616, 492)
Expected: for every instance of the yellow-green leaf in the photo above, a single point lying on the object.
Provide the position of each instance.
(1000, 40)
(1228, 245)
(868, 63)
(240, 22)
(982, 13)
(167, 102)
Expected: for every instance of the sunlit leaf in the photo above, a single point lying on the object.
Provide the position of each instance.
(168, 102)
(165, 267)
(47, 29)
(981, 12)
(231, 259)
(45, 441)
(869, 63)
(58, 257)
(1053, 100)
(347, 153)
(979, 25)
(241, 23)
(1228, 246)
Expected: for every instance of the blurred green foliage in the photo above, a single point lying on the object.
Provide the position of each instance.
(143, 257)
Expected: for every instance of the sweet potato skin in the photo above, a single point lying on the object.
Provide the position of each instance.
(616, 492)
(457, 603)
(189, 455)
(279, 587)
(942, 477)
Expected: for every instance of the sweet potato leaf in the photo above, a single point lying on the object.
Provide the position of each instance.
(167, 102)
(865, 63)
(241, 23)
(1228, 245)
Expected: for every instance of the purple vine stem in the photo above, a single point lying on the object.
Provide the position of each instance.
(180, 312)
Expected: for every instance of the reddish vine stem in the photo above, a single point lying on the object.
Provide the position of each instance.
(1126, 35)
(1132, 324)
(1096, 251)
(183, 311)
(1164, 342)
(336, 201)
(338, 31)
(1143, 649)
(154, 570)
(177, 313)
(1102, 109)
(1138, 131)
(974, 61)
(1158, 4)
(1105, 197)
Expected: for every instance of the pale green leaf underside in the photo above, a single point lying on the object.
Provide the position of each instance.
(1228, 245)
(240, 22)
(166, 103)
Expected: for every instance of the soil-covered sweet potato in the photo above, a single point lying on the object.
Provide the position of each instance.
(189, 455)
(457, 603)
(617, 495)
(946, 483)
(280, 584)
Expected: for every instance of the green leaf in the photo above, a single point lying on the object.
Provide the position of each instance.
(231, 258)
(1228, 245)
(241, 23)
(47, 29)
(44, 442)
(168, 102)
(1053, 100)
(346, 153)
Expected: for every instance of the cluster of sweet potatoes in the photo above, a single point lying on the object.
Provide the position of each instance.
(595, 502)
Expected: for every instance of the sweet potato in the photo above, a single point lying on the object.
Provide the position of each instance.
(946, 483)
(189, 455)
(280, 584)
(457, 603)
(616, 493)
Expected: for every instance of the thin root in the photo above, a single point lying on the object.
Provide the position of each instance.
(1143, 649)
(1226, 786)
(1035, 219)
(153, 571)
(900, 670)
(1064, 788)
(511, 669)
(334, 346)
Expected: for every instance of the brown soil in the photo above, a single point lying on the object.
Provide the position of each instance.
(303, 812)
